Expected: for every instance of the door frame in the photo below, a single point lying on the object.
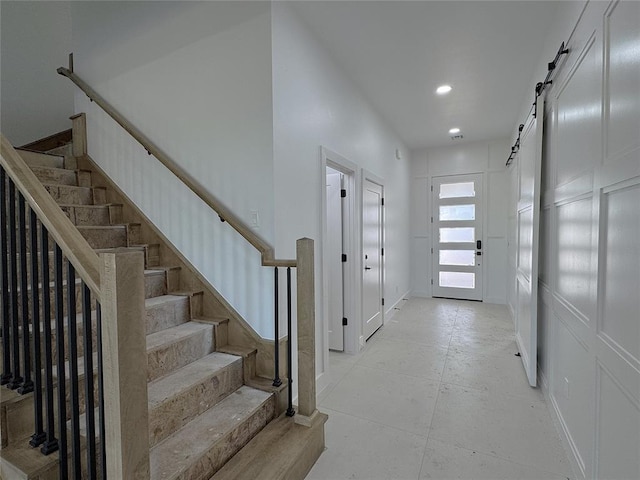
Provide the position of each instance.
(351, 245)
(373, 178)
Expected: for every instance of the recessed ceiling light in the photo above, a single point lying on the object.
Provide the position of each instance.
(454, 130)
(443, 89)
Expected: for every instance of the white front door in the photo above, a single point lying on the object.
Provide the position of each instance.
(457, 236)
(334, 253)
(372, 258)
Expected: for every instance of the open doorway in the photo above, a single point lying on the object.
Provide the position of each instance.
(339, 254)
(336, 193)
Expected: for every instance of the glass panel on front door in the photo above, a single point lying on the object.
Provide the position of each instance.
(457, 279)
(457, 190)
(465, 258)
(457, 212)
(457, 235)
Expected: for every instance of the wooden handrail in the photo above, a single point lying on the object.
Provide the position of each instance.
(69, 239)
(266, 250)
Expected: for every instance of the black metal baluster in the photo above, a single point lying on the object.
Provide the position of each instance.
(88, 382)
(4, 278)
(62, 394)
(72, 326)
(51, 443)
(290, 411)
(39, 436)
(276, 336)
(16, 379)
(103, 435)
(27, 383)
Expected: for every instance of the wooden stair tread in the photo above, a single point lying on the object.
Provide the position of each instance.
(148, 272)
(186, 448)
(83, 205)
(171, 385)
(238, 350)
(163, 299)
(21, 461)
(282, 450)
(101, 227)
(33, 158)
(211, 320)
(173, 334)
(266, 384)
(138, 248)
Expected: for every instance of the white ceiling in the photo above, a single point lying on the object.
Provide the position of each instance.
(398, 52)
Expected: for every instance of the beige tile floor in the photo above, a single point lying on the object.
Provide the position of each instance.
(438, 393)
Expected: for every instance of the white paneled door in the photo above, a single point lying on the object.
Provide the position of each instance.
(529, 161)
(372, 219)
(457, 236)
(334, 262)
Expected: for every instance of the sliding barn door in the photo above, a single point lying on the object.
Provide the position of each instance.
(528, 221)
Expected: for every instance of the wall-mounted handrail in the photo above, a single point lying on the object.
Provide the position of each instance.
(74, 246)
(266, 250)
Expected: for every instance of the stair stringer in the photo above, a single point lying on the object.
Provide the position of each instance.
(213, 304)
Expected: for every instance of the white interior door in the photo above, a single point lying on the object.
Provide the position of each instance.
(372, 313)
(334, 263)
(529, 160)
(457, 236)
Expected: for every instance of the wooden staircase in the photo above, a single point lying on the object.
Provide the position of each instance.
(208, 390)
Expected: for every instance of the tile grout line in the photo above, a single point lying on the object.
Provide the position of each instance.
(393, 427)
(435, 405)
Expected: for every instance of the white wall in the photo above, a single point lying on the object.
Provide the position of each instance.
(316, 105)
(35, 41)
(487, 158)
(589, 333)
(196, 78)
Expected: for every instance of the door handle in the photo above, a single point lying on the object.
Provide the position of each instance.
(367, 268)
(479, 244)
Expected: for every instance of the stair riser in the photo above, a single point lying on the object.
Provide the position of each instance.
(88, 215)
(105, 238)
(155, 285)
(40, 159)
(54, 344)
(78, 308)
(52, 315)
(19, 416)
(166, 359)
(151, 255)
(71, 195)
(205, 466)
(55, 176)
(167, 315)
(168, 417)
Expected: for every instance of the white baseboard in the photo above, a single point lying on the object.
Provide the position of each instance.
(322, 382)
(391, 311)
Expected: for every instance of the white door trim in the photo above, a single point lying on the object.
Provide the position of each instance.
(352, 247)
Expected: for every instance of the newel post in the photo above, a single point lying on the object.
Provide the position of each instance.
(125, 361)
(79, 134)
(306, 311)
